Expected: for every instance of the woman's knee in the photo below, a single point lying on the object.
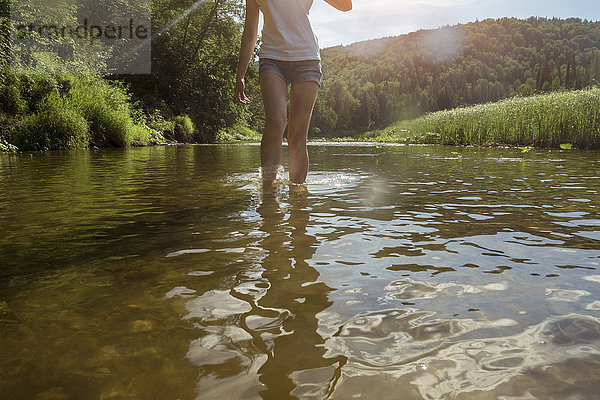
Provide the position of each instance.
(278, 121)
(298, 129)
(297, 138)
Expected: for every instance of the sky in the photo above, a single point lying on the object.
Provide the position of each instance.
(370, 19)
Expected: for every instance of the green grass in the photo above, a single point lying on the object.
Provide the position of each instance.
(6, 131)
(107, 109)
(546, 120)
(186, 122)
(238, 132)
(53, 126)
(61, 111)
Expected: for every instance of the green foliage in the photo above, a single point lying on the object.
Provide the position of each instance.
(367, 85)
(53, 126)
(4, 36)
(105, 108)
(370, 84)
(154, 120)
(11, 100)
(51, 53)
(6, 146)
(154, 136)
(139, 135)
(566, 146)
(51, 47)
(238, 132)
(186, 122)
(159, 123)
(550, 120)
(195, 54)
(7, 129)
(110, 127)
(153, 124)
(35, 87)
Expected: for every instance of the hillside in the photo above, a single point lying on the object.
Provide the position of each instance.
(373, 83)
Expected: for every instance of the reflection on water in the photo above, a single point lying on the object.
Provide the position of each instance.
(395, 272)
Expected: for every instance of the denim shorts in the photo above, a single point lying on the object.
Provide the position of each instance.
(292, 71)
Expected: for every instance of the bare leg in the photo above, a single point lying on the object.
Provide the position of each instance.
(302, 100)
(274, 94)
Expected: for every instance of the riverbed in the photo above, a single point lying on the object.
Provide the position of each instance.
(395, 272)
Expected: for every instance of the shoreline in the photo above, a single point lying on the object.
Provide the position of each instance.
(343, 142)
(555, 120)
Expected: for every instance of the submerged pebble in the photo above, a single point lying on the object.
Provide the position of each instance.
(140, 326)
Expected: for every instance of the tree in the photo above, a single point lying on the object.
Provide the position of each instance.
(194, 64)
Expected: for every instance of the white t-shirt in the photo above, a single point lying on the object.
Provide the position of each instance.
(287, 33)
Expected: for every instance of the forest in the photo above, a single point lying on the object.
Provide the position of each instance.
(194, 52)
(57, 92)
(371, 84)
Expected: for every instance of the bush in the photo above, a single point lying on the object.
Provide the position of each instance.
(7, 147)
(186, 122)
(108, 127)
(139, 135)
(7, 128)
(35, 87)
(43, 111)
(237, 132)
(153, 126)
(155, 122)
(55, 126)
(106, 109)
(11, 100)
(155, 137)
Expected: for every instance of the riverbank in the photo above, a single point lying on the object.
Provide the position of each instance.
(40, 111)
(45, 112)
(63, 111)
(546, 121)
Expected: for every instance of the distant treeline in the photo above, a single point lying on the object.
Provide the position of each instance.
(371, 84)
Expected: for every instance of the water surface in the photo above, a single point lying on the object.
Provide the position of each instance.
(396, 272)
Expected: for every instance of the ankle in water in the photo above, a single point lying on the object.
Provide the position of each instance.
(271, 174)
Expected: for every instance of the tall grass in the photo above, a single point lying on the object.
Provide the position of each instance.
(546, 120)
(238, 132)
(60, 111)
(106, 108)
(53, 127)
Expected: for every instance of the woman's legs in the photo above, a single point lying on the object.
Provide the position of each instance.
(302, 100)
(274, 94)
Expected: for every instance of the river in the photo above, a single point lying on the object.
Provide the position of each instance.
(396, 272)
